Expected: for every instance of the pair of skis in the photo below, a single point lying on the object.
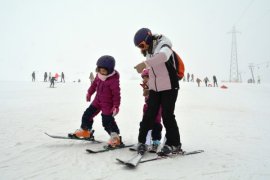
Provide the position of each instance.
(134, 160)
(91, 139)
(138, 158)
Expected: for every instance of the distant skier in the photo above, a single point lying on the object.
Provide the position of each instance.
(192, 78)
(107, 100)
(188, 76)
(50, 76)
(259, 80)
(53, 79)
(91, 77)
(45, 77)
(184, 78)
(157, 128)
(215, 81)
(33, 76)
(206, 80)
(198, 81)
(62, 77)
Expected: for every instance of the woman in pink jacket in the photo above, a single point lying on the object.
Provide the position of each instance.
(106, 85)
(163, 88)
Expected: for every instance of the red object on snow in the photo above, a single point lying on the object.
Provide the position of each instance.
(56, 75)
(224, 87)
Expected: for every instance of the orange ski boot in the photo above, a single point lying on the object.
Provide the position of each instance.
(115, 140)
(82, 133)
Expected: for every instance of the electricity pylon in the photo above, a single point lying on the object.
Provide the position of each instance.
(234, 73)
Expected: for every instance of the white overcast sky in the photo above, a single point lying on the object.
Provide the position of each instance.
(70, 35)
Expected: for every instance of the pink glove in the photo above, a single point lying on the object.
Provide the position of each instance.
(88, 97)
(115, 111)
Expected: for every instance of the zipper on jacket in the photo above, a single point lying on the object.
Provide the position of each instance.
(155, 78)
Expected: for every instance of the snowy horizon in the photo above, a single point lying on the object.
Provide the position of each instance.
(69, 36)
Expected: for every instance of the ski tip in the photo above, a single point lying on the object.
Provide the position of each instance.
(120, 161)
(192, 152)
(47, 134)
(199, 151)
(90, 151)
(129, 165)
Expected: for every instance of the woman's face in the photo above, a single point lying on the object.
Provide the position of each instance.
(143, 46)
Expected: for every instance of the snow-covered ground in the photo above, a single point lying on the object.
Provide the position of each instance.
(232, 126)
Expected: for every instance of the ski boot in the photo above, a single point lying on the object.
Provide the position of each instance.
(115, 140)
(154, 146)
(167, 150)
(141, 148)
(82, 134)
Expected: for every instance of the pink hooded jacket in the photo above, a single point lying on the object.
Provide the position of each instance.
(107, 93)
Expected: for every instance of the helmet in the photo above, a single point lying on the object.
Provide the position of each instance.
(106, 62)
(143, 34)
(145, 73)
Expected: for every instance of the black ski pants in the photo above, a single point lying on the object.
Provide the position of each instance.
(108, 121)
(165, 99)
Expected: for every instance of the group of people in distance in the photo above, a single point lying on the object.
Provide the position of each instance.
(190, 78)
(160, 88)
(49, 78)
(206, 82)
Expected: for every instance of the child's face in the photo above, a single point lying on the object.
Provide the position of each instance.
(103, 71)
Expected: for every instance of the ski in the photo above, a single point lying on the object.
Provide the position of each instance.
(133, 148)
(150, 150)
(92, 139)
(108, 148)
(133, 162)
(185, 153)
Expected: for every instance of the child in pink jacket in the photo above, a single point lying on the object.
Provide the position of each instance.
(106, 85)
(157, 128)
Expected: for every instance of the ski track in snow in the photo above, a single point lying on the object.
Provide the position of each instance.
(231, 125)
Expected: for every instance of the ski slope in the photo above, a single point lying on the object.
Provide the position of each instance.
(232, 126)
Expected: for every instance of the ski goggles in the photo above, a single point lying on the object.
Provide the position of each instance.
(142, 45)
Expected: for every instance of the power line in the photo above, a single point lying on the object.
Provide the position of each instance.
(244, 12)
(257, 20)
